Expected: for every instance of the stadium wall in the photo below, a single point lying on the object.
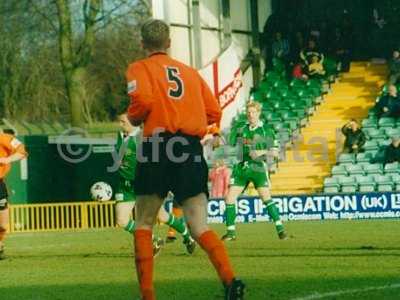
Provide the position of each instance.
(97, 215)
(179, 13)
(217, 54)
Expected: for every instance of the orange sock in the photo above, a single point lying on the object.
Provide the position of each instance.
(216, 251)
(144, 263)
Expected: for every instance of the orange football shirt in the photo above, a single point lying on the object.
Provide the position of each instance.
(8, 146)
(168, 94)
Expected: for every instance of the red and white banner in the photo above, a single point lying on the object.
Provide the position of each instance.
(224, 77)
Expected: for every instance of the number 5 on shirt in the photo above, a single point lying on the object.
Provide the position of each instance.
(173, 77)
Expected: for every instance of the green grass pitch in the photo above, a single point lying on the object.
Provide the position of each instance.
(323, 260)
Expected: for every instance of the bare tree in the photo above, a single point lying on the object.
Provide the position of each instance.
(65, 59)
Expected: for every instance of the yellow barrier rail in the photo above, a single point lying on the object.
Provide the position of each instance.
(61, 216)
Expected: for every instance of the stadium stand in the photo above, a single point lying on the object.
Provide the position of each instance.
(367, 173)
(311, 159)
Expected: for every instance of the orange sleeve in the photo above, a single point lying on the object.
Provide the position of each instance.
(18, 147)
(213, 109)
(140, 92)
(13, 144)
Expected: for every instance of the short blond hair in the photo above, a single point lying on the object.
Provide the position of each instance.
(155, 34)
(255, 105)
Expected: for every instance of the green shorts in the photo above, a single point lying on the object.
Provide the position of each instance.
(244, 173)
(124, 191)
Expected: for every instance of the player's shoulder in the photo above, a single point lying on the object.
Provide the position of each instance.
(137, 64)
(5, 137)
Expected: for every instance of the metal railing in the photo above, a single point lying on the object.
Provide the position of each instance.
(61, 216)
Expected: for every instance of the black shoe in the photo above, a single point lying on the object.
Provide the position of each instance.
(229, 236)
(190, 245)
(170, 239)
(235, 291)
(282, 235)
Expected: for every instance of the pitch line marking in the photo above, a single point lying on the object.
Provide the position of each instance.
(317, 295)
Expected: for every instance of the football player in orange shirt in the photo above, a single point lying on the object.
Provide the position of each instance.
(11, 150)
(176, 106)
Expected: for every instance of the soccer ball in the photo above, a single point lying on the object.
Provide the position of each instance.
(101, 191)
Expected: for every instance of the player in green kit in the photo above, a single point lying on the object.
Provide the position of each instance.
(257, 141)
(125, 196)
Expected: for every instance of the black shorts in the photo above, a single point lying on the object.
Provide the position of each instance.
(170, 165)
(3, 195)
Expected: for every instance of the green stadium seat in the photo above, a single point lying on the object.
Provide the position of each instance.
(219, 153)
(347, 158)
(313, 83)
(392, 132)
(366, 183)
(375, 133)
(293, 125)
(364, 157)
(384, 183)
(289, 115)
(392, 168)
(331, 185)
(272, 76)
(287, 93)
(348, 184)
(283, 137)
(369, 123)
(398, 122)
(230, 150)
(395, 178)
(281, 84)
(309, 100)
(257, 96)
(354, 169)
(269, 115)
(273, 95)
(291, 101)
(371, 145)
(384, 142)
(339, 171)
(297, 83)
(386, 122)
(373, 169)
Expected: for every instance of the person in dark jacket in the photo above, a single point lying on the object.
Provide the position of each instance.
(311, 51)
(392, 152)
(388, 154)
(340, 50)
(355, 138)
(394, 68)
(388, 105)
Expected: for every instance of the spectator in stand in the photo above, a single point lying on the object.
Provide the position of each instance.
(220, 178)
(388, 105)
(311, 51)
(280, 47)
(315, 69)
(354, 137)
(296, 46)
(394, 68)
(388, 154)
(298, 72)
(340, 50)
